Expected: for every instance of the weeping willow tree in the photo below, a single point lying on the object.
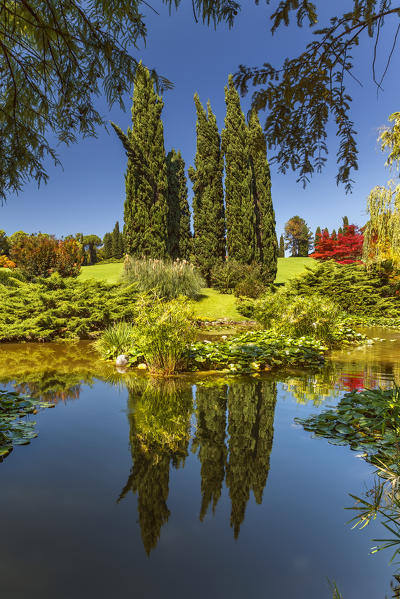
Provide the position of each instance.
(159, 417)
(382, 232)
(390, 140)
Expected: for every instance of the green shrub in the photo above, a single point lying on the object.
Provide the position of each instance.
(116, 339)
(242, 279)
(11, 277)
(167, 279)
(351, 287)
(297, 316)
(162, 334)
(57, 308)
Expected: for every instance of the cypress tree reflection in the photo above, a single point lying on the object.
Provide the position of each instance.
(159, 417)
(251, 406)
(210, 441)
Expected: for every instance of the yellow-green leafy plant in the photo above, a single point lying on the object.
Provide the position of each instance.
(163, 333)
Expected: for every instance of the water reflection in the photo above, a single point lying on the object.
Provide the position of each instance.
(233, 439)
(49, 371)
(159, 421)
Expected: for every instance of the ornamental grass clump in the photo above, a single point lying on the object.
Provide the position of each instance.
(298, 316)
(117, 339)
(163, 333)
(167, 279)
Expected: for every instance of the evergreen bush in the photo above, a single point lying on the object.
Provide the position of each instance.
(241, 279)
(56, 308)
(299, 316)
(167, 279)
(351, 287)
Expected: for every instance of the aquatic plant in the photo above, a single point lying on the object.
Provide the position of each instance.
(116, 339)
(166, 279)
(298, 316)
(368, 420)
(255, 351)
(14, 430)
(163, 331)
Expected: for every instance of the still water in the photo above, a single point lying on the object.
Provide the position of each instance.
(190, 487)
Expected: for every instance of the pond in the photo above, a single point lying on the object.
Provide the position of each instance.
(192, 486)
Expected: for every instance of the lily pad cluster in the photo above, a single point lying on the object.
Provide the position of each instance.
(368, 420)
(15, 429)
(254, 351)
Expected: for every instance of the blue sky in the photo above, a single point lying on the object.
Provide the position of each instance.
(87, 194)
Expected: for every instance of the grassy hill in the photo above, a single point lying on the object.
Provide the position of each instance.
(212, 305)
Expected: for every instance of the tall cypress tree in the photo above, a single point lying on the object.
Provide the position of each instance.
(117, 247)
(145, 209)
(179, 234)
(317, 236)
(208, 201)
(241, 236)
(281, 247)
(107, 246)
(267, 241)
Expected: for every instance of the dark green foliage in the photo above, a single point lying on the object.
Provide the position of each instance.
(4, 244)
(117, 243)
(210, 443)
(232, 276)
(317, 236)
(241, 238)
(13, 430)
(345, 223)
(57, 308)
(159, 421)
(281, 251)
(262, 200)
(107, 246)
(252, 285)
(179, 234)
(298, 237)
(208, 201)
(145, 208)
(351, 287)
(251, 429)
(227, 275)
(90, 244)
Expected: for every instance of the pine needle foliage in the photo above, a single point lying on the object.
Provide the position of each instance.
(208, 201)
(145, 208)
(241, 236)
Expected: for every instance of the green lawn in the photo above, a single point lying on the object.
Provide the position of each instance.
(291, 267)
(102, 272)
(213, 305)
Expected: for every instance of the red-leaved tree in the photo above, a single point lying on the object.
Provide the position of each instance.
(346, 248)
